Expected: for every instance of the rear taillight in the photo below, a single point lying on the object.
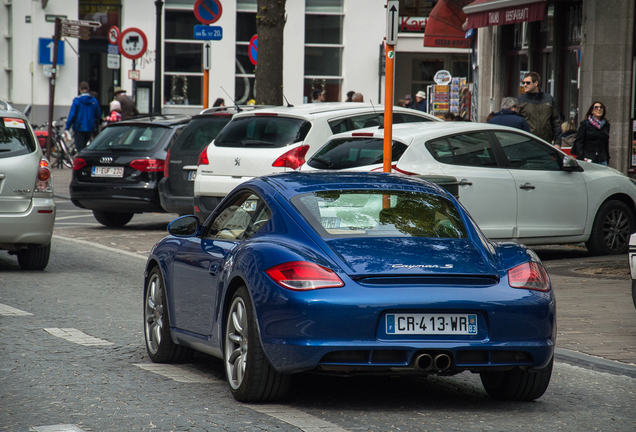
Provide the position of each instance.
(293, 158)
(148, 165)
(166, 165)
(78, 163)
(203, 157)
(303, 276)
(530, 275)
(43, 177)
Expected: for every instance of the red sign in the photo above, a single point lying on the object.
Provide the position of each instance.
(113, 35)
(208, 11)
(132, 43)
(252, 50)
(487, 16)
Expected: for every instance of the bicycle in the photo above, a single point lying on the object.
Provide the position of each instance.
(61, 153)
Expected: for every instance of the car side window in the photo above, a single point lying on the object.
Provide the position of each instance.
(471, 149)
(241, 219)
(526, 153)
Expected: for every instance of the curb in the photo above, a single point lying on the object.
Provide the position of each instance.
(599, 364)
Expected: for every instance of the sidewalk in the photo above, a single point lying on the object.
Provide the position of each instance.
(595, 313)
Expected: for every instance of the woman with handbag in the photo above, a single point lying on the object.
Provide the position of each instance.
(592, 138)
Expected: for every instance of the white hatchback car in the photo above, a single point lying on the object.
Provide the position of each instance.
(277, 139)
(516, 186)
(27, 207)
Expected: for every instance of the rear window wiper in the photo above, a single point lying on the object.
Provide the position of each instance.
(326, 162)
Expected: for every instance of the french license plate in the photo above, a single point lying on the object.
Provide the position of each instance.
(431, 324)
(107, 171)
(192, 175)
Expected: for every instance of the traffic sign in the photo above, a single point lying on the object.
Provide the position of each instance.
(204, 32)
(207, 56)
(113, 49)
(113, 35)
(252, 49)
(46, 46)
(132, 43)
(134, 74)
(113, 61)
(392, 21)
(208, 11)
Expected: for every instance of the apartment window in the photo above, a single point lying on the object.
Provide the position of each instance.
(183, 73)
(244, 84)
(323, 48)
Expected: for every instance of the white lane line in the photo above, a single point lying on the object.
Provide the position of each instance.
(298, 418)
(176, 373)
(58, 428)
(97, 245)
(76, 336)
(11, 311)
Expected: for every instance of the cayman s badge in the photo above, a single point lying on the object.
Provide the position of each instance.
(237, 162)
(106, 159)
(423, 266)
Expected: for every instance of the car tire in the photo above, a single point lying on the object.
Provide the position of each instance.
(112, 219)
(34, 257)
(634, 292)
(159, 344)
(250, 375)
(517, 384)
(613, 224)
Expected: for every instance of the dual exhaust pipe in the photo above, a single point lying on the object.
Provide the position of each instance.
(426, 362)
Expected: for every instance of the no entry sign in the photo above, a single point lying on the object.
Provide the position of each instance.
(208, 11)
(252, 50)
(132, 43)
(113, 35)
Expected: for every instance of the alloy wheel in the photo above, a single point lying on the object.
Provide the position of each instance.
(616, 229)
(154, 314)
(236, 343)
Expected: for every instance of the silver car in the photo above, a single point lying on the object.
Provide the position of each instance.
(27, 207)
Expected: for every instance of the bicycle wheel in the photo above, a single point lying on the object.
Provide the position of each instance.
(67, 159)
(59, 155)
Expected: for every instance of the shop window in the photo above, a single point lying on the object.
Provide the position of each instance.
(575, 24)
(105, 12)
(179, 25)
(244, 87)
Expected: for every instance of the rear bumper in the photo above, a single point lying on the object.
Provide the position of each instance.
(203, 206)
(174, 203)
(139, 198)
(216, 185)
(34, 226)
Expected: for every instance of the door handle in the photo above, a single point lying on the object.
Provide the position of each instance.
(464, 182)
(526, 186)
(213, 269)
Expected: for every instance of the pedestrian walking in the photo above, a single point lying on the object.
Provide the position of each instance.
(408, 101)
(115, 112)
(350, 96)
(401, 103)
(318, 96)
(448, 116)
(420, 101)
(357, 97)
(219, 102)
(539, 110)
(592, 138)
(509, 115)
(84, 116)
(568, 133)
(128, 108)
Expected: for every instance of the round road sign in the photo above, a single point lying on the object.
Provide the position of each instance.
(252, 50)
(132, 43)
(113, 35)
(208, 11)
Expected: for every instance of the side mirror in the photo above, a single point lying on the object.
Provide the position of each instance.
(570, 164)
(185, 226)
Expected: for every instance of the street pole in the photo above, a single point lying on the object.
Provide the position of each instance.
(158, 50)
(56, 39)
(391, 41)
(207, 48)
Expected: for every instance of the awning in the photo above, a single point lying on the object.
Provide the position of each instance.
(484, 13)
(444, 26)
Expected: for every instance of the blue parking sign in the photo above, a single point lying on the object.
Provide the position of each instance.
(45, 56)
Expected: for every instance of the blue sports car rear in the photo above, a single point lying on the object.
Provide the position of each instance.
(349, 274)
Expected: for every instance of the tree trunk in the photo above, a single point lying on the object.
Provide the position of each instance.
(270, 23)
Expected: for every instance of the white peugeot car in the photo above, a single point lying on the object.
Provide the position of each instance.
(277, 139)
(516, 186)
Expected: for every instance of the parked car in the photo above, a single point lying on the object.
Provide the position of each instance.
(176, 188)
(27, 207)
(632, 265)
(349, 274)
(118, 174)
(516, 186)
(279, 139)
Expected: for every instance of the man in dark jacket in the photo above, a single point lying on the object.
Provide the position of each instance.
(540, 110)
(128, 108)
(83, 117)
(509, 116)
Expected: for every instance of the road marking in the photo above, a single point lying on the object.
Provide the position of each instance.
(58, 428)
(76, 336)
(298, 418)
(11, 311)
(99, 246)
(176, 373)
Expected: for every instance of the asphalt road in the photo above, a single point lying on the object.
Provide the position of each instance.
(73, 354)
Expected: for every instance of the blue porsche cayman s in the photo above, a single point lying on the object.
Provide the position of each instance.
(354, 273)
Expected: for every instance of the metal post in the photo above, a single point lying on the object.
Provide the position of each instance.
(158, 64)
(56, 38)
(388, 108)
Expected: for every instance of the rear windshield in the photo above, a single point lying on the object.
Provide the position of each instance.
(342, 214)
(129, 138)
(372, 120)
(263, 132)
(344, 153)
(15, 137)
(199, 133)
